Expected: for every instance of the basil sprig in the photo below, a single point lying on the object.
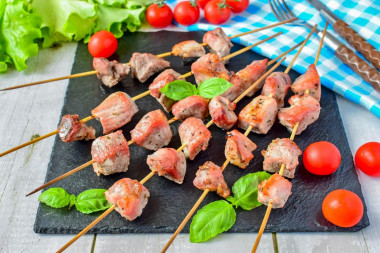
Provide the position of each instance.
(179, 89)
(219, 216)
(87, 202)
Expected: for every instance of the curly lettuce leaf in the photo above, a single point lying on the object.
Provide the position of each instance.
(19, 29)
(65, 20)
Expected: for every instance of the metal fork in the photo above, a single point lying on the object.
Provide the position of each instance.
(358, 65)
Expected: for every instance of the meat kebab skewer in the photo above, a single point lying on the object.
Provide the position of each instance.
(277, 177)
(170, 121)
(94, 72)
(249, 128)
(102, 110)
(185, 137)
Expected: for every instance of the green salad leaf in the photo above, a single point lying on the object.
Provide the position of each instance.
(19, 29)
(211, 220)
(91, 201)
(213, 87)
(55, 197)
(178, 90)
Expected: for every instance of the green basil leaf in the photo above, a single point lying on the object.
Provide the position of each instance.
(73, 200)
(245, 190)
(55, 197)
(211, 220)
(213, 87)
(178, 90)
(91, 201)
(232, 200)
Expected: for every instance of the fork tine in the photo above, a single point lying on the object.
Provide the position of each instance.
(283, 9)
(274, 11)
(287, 8)
(280, 13)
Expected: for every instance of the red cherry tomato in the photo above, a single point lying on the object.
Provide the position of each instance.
(185, 13)
(202, 3)
(102, 44)
(367, 158)
(238, 6)
(343, 208)
(159, 17)
(321, 158)
(217, 12)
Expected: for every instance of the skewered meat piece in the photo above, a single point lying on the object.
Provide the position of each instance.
(281, 151)
(308, 81)
(276, 188)
(145, 65)
(188, 48)
(153, 131)
(218, 42)
(110, 153)
(167, 76)
(129, 196)
(210, 176)
(115, 111)
(222, 112)
(110, 72)
(303, 109)
(239, 148)
(169, 163)
(71, 129)
(193, 106)
(277, 84)
(209, 66)
(250, 74)
(260, 113)
(237, 87)
(195, 135)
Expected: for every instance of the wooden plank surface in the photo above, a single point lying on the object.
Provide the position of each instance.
(35, 110)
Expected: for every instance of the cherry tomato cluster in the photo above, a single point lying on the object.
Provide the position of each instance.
(159, 14)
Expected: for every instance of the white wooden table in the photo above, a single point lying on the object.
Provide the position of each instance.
(36, 110)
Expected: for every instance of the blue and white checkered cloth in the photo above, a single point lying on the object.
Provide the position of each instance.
(363, 16)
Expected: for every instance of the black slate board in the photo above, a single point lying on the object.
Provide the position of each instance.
(170, 202)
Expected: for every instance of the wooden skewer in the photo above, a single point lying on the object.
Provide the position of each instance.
(94, 72)
(196, 205)
(131, 142)
(282, 169)
(101, 217)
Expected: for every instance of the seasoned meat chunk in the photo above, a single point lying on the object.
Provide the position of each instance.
(110, 153)
(237, 87)
(210, 177)
(260, 113)
(188, 48)
(145, 65)
(71, 129)
(222, 112)
(153, 131)
(276, 188)
(193, 106)
(281, 151)
(277, 84)
(169, 163)
(195, 135)
(303, 109)
(115, 111)
(209, 66)
(250, 74)
(239, 149)
(110, 72)
(129, 196)
(218, 42)
(308, 81)
(167, 76)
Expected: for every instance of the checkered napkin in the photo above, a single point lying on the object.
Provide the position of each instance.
(363, 16)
